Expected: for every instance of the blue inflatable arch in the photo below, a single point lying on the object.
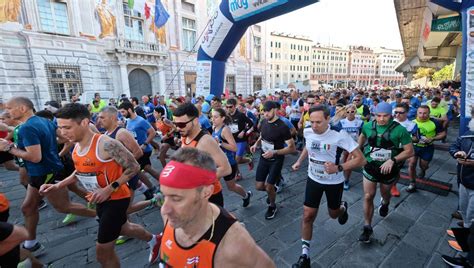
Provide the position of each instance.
(226, 28)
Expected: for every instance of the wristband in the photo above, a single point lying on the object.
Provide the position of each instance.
(394, 160)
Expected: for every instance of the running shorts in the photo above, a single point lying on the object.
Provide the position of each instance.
(314, 192)
(425, 153)
(112, 215)
(269, 171)
(144, 160)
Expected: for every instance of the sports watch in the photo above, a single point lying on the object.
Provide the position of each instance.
(115, 185)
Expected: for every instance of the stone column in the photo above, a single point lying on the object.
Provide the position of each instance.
(124, 74)
(161, 77)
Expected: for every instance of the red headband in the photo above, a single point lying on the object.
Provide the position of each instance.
(182, 176)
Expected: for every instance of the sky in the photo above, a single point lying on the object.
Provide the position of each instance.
(370, 23)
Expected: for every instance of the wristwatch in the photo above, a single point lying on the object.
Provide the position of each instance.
(394, 160)
(340, 168)
(9, 148)
(115, 185)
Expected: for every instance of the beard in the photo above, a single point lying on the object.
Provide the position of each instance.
(471, 125)
(127, 115)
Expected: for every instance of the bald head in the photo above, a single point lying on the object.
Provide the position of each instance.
(22, 101)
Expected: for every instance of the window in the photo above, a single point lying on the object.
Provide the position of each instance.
(133, 24)
(257, 48)
(257, 83)
(189, 34)
(257, 28)
(53, 16)
(230, 82)
(187, 6)
(64, 81)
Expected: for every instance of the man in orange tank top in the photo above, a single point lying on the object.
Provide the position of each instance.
(186, 120)
(198, 233)
(103, 166)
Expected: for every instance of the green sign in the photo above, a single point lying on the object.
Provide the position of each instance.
(450, 24)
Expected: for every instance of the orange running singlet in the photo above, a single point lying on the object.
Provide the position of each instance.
(164, 128)
(94, 173)
(193, 144)
(200, 254)
(4, 205)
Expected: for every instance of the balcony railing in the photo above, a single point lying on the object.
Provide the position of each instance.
(137, 46)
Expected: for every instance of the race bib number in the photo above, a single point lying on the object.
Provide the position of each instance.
(317, 169)
(88, 181)
(234, 128)
(354, 135)
(381, 155)
(267, 146)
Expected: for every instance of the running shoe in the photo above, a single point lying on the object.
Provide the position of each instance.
(278, 188)
(246, 201)
(411, 188)
(450, 233)
(155, 244)
(455, 245)
(394, 191)
(121, 240)
(70, 218)
(36, 250)
(366, 234)
(282, 182)
(91, 206)
(303, 262)
(422, 174)
(42, 204)
(383, 209)
(456, 261)
(342, 219)
(271, 212)
(346, 185)
(156, 201)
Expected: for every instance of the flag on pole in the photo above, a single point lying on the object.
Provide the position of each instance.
(147, 11)
(131, 3)
(161, 15)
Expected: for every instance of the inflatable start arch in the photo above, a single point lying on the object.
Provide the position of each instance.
(225, 29)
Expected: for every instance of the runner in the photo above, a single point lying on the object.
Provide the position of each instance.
(388, 145)
(429, 130)
(167, 133)
(186, 120)
(223, 135)
(239, 126)
(324, 147)
(37, 147)
(362, 110)
(401, 116)
(103, 166)
(198, 233)
(144, 133)
(353, 126)
(273, 136)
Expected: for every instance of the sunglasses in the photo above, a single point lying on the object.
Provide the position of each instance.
(183, 124)
(310, 103)
(350, 112)
(356, 100)
(398, 112)
(229, 107)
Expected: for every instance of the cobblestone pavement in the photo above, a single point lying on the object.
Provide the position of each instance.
(412, 235)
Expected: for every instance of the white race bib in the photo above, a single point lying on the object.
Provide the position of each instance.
(89, 181)
(381, 155)
(234, 128)
(317, 169)
(354, 135)
(267, 146)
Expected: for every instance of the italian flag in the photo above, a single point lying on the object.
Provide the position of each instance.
(142, 6)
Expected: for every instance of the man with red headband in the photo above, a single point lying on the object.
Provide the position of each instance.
(198, 233)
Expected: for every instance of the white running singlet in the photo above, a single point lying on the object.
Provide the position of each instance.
(353, 127)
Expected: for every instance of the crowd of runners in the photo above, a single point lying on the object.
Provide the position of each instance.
(102, 151)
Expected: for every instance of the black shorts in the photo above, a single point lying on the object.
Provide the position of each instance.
(12, 257)
(314, 192)
(371, 171)
(217, 199)
(4, 215)
(169, 141)
(5, 157)
(37, 181)
(231, 176)
(144, 160)
(112, 215)
(269, 171)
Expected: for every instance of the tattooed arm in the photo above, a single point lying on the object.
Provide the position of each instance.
(113, 149)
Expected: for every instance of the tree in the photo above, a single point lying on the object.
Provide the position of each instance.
(446, 73)
(424, 72)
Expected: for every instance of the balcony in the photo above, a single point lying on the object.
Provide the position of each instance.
(138, 47)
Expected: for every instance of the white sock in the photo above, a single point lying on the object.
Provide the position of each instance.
(246, 195)
(142, 188)
(305, 247)
(152, 242)
(30, 243)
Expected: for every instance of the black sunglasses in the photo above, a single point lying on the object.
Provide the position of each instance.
(356, 100)
(310, 103)
(229, 107)
(183, 124)
(398, 112)
(350, 112)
